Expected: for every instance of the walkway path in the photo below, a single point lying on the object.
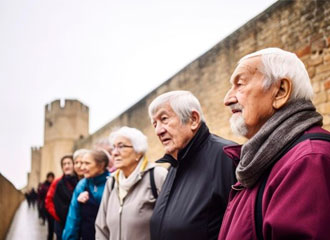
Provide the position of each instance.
(26, 225)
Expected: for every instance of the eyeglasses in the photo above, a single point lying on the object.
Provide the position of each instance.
(120, 147)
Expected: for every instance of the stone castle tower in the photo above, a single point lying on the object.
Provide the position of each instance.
(64, 124)
(34, 175)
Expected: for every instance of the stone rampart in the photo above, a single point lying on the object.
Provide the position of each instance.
(10, 198)
(297, 26)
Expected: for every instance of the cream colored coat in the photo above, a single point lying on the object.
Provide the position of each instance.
(132, 219)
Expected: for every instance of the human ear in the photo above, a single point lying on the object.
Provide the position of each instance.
(195, 120)
(139, 156)
(283, 94)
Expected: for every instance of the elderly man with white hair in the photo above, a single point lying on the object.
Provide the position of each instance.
(283, 172)
(195, 192)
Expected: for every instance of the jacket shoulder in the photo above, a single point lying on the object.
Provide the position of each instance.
(160, 171)
(58, 179)
(81, 185)
(222, 141)
(54, 184)
(160, 174)
(310, 147)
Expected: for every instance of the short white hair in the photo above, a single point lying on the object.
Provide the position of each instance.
(79, 153)
(137, 138)
(279, 64)
(182, 103)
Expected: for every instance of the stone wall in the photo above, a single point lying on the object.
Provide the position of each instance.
(302, 27)
(34, 176)
(10, 198)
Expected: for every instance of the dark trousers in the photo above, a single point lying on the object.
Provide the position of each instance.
(88, 212)
(58, 230)
(50, 221)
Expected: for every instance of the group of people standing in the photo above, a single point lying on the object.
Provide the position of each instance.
(274, 186)
(128, 197)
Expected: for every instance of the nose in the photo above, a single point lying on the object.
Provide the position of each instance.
(159, 129)
(230, 98)
(115, 152)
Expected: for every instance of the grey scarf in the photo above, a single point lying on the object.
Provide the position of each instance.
(258, 153)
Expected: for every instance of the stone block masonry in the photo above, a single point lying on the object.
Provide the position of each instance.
(302, 27)
(10, 198)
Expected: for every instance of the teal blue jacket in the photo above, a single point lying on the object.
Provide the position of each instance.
(95, 186)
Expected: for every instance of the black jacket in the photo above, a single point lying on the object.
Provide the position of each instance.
(62, 196)
(195, 193)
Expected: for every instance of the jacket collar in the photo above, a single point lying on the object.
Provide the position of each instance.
(100, 179)
(192, 147)
(168, 159)
(233, 152)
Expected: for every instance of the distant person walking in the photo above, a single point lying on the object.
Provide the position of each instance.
(28, 198)
(33, 196)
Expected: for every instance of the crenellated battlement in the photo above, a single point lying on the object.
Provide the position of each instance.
(36, 149)
(67, 105)
(65, 119)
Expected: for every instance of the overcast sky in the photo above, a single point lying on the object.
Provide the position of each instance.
(107, 54)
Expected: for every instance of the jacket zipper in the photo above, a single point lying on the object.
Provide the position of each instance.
(120, 214)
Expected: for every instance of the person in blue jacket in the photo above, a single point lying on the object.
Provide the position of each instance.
(87, 196)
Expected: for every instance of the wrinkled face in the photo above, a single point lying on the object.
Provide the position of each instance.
(173, 134)
(67, 166)
(250, 103)
(124, 156)
(77, 166)
(90, 167)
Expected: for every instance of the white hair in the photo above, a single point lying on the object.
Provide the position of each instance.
(136, 137)
(182, 103)
(279, 64)
(79, 153)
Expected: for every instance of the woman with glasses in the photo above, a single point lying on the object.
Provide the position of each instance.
(87, 196)
(130, 195)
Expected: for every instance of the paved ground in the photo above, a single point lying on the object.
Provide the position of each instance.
(27, 225)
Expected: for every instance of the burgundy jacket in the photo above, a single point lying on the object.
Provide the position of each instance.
(296, 199)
